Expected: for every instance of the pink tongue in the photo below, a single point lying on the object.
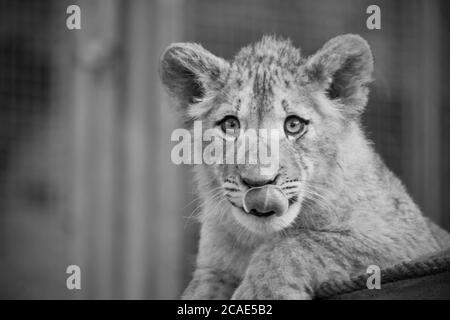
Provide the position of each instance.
(265, 199)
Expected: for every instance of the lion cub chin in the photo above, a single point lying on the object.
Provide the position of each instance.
(325, 206)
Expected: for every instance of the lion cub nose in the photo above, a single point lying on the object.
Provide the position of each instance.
(265, 201)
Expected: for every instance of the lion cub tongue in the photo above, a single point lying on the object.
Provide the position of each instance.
(265, 199)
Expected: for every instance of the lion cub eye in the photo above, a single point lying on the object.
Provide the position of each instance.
(230, 125)
(295, 126)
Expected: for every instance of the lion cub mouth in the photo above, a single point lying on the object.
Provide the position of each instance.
(265, 201)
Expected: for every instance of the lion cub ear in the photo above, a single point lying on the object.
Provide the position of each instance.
(189, 72)
(343, 68)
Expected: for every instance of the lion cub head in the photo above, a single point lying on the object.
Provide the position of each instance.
(310, 105)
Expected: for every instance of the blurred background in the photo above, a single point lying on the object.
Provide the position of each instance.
(85, 170)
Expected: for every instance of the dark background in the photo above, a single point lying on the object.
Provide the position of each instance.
(85, 170)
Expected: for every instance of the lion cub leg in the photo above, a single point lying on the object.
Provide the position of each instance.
(211, 284)
(277, 272)
(292, 268)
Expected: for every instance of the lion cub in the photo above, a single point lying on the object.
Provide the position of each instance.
(330, 208)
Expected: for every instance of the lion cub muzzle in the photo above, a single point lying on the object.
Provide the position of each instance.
(265, 201)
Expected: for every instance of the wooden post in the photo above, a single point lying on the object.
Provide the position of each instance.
(154, 185)
(94, 112)
(421, 104)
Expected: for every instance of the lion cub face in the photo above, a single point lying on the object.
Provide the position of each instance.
(296, 110)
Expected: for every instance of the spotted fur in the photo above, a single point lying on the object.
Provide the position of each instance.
(347, 209)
